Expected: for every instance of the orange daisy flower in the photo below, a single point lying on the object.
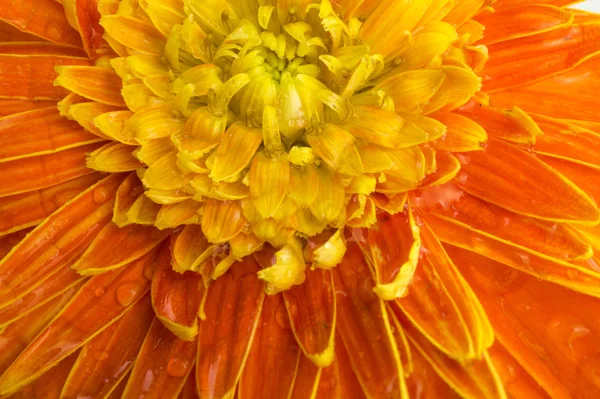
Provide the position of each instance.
(299, 199)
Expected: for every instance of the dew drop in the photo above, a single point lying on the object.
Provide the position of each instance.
(101, 195)
(99, 292)
(572, 274)
(127, 293)
(177, 367)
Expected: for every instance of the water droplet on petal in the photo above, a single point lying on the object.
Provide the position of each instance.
(99, 292)
(101, 195)
(177, 367)
(127, 293)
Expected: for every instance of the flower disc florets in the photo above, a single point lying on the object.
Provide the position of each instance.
(285, 123)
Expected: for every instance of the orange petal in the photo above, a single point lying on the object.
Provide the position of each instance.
(521, 21)
(128, 192)
(509, 124)
(585, 177)
(552, 239)
(24, 210)
(517, 382)
(9, 106)
(38, 172)
(43, 18)
(311, 309)
(583, 277)
(515, 180)
(476, 378)
(20, 71)
(232, 308)
(16, 336)
(64, 280)
(115, 247)
(563, 355)
(569, 95)
(101, 301)
(189, 389)
(40, 48)
(442, 306)
(361, 315)
(425, 382)
(564, 140)
(107, 358)
(273, 357)
(162, 365)
(9, 241)
(539, 56)
(394, 244)
(88, 22)
(9, 33)
(306, 380)
(176, 297)
(57, 241)
(96, 83)
(350, 387)
(51, 383)
(222, 221)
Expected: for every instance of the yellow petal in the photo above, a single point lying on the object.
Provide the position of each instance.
(269, 181)
(113, 158)
(336, 148)
(221, 221)
(235, 151)
(288, 269)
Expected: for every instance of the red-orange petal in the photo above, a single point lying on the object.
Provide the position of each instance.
(475, 378)
(517, 382)
(28, 209)
(306, 380)
(43, 18)
(105, 361)
(232, 309)
(552, 239)
(100, 302)
(176, 297)
(11, 106)
(9, 241)
(273, 357)
(311, 308)
(57, 284)
(57, 241)
(88, 21)
(162, 365)
(424, 382)
(189, 390)
(116, 246)
(96, 83)
(442, 306)
(20, 71)
(580, 277)
(348, 381)
(38, 172)
(16, 336)
(365, 330)
(40, 48)
(51, 383)
(9, 33)
(515, 180)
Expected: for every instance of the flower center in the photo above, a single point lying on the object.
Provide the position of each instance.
(283, 125)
